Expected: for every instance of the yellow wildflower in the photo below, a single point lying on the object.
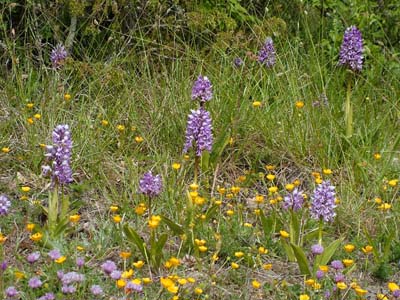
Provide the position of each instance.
(393, 182)
(393, 286)
(25, 189)
(289, 187)
(120, 127)
(37, 116)
(299, 104)
(341, 285)
(19, 274)
(36, 237)
(140, 209)
(304, 297)
(234, 266)
(121, 283)
(239, 254)
(267, 266)
(117, 219)
(262, 250)
(230, 212)
(198, 291)
(5, 149)
(146, 280)
(61, 259)
(377, 156)
(348, 262)
(367, 249)
(176, 166)
(104, 122)
(30, 121)
(309, 282)
(256, 284)
(381, 297)
(273, 189)
(284, 234)
(235, 189)
(74, 218)
(125, 254)
(138, 139)
(256, 104)
(114, 208)
(30, 226)
(349, 248)
(2, 238)
(270, 177)
(327, 171)
(203, 248)
(360, 291)
(29, 105)
(324, 268)
(67, 97)
(154, 222)
(138, 264)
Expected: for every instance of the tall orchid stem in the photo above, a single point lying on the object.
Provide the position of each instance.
(349, 111)
(149, 201)
(320, 225)
(196, 168)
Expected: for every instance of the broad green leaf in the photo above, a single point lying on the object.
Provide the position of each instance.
(219, 146)
(329, 251)
(176, 228)
(135, 239)
(289, 251)
(294, 228)
(211, 212)
(267, 225)
(205, 161)
(301, 260)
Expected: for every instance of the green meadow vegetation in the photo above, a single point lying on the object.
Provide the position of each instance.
(199, 149)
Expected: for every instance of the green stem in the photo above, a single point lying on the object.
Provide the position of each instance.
(320, 225)
(196, 168)
(349, 111)
(149, 200)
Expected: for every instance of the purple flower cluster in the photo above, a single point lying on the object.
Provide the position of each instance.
(33, 257)
(96, 290)
(198, 130)
(202, 89)
(351, 49)
(108, 267)
(317, 249)
(323, 202)
(238, 62)
(337, 265)
(68, 280)
(267, 53)
(59, 154)
(54, 254)
(150, 185)
(293, 200)
(58, 56)
(47, 296)
(11, 292)
(5, 204)
(35, 283)
(133, 287)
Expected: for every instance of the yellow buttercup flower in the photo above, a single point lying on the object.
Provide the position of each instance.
(36, 237)
(203, 248)
(348, 262)
(154, 222)
(61, 259)
(139, 139)
(37, 116)
(30, 105)
(393, 286)
(140, 209)
(74, 218)
(259, 199)
(146, 280)
(235, 189)
(270, 177)
(377, 156)
(284, 234)
(256, 104)
(80, 248)
(349, 248)
(230, 212)
(67, 97)
(198, 291)
(309, 282)
(234, 266)
(182, 281)
(121, 283)
(117, 219)
(341, 285)
(25, 189)
(360, 291)
(5, 149)
(30, 121)
(176, 166)
(127, 274)
(267, 266)
(327, 171)
(367, 249)
(324, 268)
(304, 297)
(19, 274)
(382, 297)
(120, 127)
(393, 182)
(273, 189)
(256, 284)
(385, 206)
(239, 254)
(114, 208)
(125, 254)
(30, 227)
(289, 187)
(299, 104)
(2, 238)
(104, 122)
(262, 250)
(138, 264)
